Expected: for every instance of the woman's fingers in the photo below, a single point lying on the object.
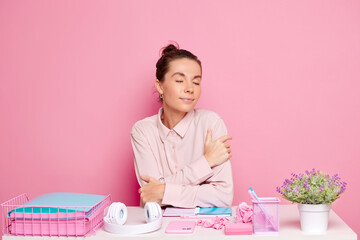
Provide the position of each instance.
(145, 178)
(224, 138)
(218, 151)
(152, 191)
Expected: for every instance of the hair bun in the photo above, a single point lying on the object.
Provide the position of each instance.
(169, 48)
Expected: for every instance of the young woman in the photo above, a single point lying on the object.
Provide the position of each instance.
(182, 154)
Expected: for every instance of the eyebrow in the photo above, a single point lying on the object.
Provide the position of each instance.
(183, 75)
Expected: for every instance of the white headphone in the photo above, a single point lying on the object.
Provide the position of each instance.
(117, 215)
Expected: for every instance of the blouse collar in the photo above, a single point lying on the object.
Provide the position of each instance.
(180, 128)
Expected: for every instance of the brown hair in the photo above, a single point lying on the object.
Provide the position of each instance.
(170, 53)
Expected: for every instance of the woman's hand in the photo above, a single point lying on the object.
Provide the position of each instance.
(153, 191)
(217, 152)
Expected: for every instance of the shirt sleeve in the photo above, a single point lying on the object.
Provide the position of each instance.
(215, 191)
(144, 158)
(145, 164)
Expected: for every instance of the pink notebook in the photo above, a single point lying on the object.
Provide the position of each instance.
(180, 227)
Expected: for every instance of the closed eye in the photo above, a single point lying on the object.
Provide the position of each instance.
(179, 81)
(196, 83)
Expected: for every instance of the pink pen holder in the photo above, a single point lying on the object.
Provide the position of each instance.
(266, 215)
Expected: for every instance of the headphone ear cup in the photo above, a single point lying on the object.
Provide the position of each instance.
(110, 216)
(121, 213)
(159, 212)
(117, 213)
(152, 211)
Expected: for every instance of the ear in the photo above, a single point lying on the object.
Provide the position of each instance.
(159, 87)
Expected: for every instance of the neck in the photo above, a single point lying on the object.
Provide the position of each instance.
(170, 118)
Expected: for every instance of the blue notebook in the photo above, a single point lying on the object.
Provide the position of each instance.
(60, 199)
(226, 211)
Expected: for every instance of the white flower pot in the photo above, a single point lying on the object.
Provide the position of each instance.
(314, 218)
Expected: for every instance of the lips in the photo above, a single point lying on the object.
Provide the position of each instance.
(187, 100)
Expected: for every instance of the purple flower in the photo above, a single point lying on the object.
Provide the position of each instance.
(305, 182)
(321, 189)
(335, 177)
(279, 191)
(288, 181)
(306, 185)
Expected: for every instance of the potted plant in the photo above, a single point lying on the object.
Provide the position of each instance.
(314, 192)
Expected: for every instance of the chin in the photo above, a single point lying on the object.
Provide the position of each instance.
(187, 108)
(182, 107)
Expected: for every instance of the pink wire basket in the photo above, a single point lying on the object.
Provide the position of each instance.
(20, 219)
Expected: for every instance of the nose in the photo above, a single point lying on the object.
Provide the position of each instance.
(189, 88)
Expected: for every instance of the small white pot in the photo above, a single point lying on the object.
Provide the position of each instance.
(314, 218)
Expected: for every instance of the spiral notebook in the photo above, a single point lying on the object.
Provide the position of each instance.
(225, 211)
(178, 212)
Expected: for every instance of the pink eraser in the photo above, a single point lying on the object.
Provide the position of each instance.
(238, 229)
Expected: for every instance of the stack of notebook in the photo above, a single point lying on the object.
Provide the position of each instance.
(58, 214)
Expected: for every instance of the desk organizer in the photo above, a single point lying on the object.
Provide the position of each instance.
(21, 218)
(266, 215)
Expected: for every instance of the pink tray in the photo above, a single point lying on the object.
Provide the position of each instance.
(60, 224)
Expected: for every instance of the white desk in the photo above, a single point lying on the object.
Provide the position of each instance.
(289, 229)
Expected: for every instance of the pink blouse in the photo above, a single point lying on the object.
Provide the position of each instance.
(176, 157)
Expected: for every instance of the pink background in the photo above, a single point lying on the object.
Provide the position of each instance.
(76, 75)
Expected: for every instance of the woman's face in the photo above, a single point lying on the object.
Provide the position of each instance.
(181, 87)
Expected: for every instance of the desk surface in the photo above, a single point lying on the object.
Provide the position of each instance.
(289, 229)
